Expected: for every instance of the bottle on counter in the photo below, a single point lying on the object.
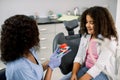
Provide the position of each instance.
(76, 11)
(36, 16)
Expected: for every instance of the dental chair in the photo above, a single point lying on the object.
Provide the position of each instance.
(72, 40)
(2, 74)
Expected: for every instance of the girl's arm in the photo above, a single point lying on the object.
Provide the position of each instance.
(75, 70)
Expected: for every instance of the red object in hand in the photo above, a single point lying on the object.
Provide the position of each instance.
(64, 45)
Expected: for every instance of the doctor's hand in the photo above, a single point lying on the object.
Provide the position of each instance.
(55, 59)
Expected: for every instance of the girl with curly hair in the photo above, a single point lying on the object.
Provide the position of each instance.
(91, 60)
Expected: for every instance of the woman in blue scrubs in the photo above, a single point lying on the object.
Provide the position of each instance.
(19, 39)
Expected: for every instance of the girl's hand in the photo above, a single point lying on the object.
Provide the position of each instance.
(74, 77)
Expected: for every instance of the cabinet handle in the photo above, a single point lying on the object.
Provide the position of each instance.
(42, 59)
(43, 48)
(43, 29)
(43, 39)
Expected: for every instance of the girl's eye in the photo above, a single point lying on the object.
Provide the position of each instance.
(91, 22)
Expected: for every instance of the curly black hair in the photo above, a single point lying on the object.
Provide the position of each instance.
(103, 21)
(19, 34)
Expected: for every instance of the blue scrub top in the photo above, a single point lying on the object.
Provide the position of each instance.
(24, 69)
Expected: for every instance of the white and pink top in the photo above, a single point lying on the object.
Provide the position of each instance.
(91, 54)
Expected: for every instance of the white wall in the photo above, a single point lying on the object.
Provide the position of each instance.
(29, 7)
(118, 18)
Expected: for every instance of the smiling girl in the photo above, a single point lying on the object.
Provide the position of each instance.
(95, 21)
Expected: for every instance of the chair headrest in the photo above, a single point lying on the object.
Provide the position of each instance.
(70, 25)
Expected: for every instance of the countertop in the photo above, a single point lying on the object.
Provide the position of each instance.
(42, 21)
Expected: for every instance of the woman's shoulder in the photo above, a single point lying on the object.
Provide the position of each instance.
(17, 64)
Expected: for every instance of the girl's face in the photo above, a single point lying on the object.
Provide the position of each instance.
(89, 25)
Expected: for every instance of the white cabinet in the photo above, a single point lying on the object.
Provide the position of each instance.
(118, 18)
(47, 33)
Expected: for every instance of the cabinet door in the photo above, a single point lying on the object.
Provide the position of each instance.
(47, 28)
(47, 33)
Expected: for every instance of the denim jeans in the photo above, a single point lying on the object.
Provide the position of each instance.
(82, 71)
